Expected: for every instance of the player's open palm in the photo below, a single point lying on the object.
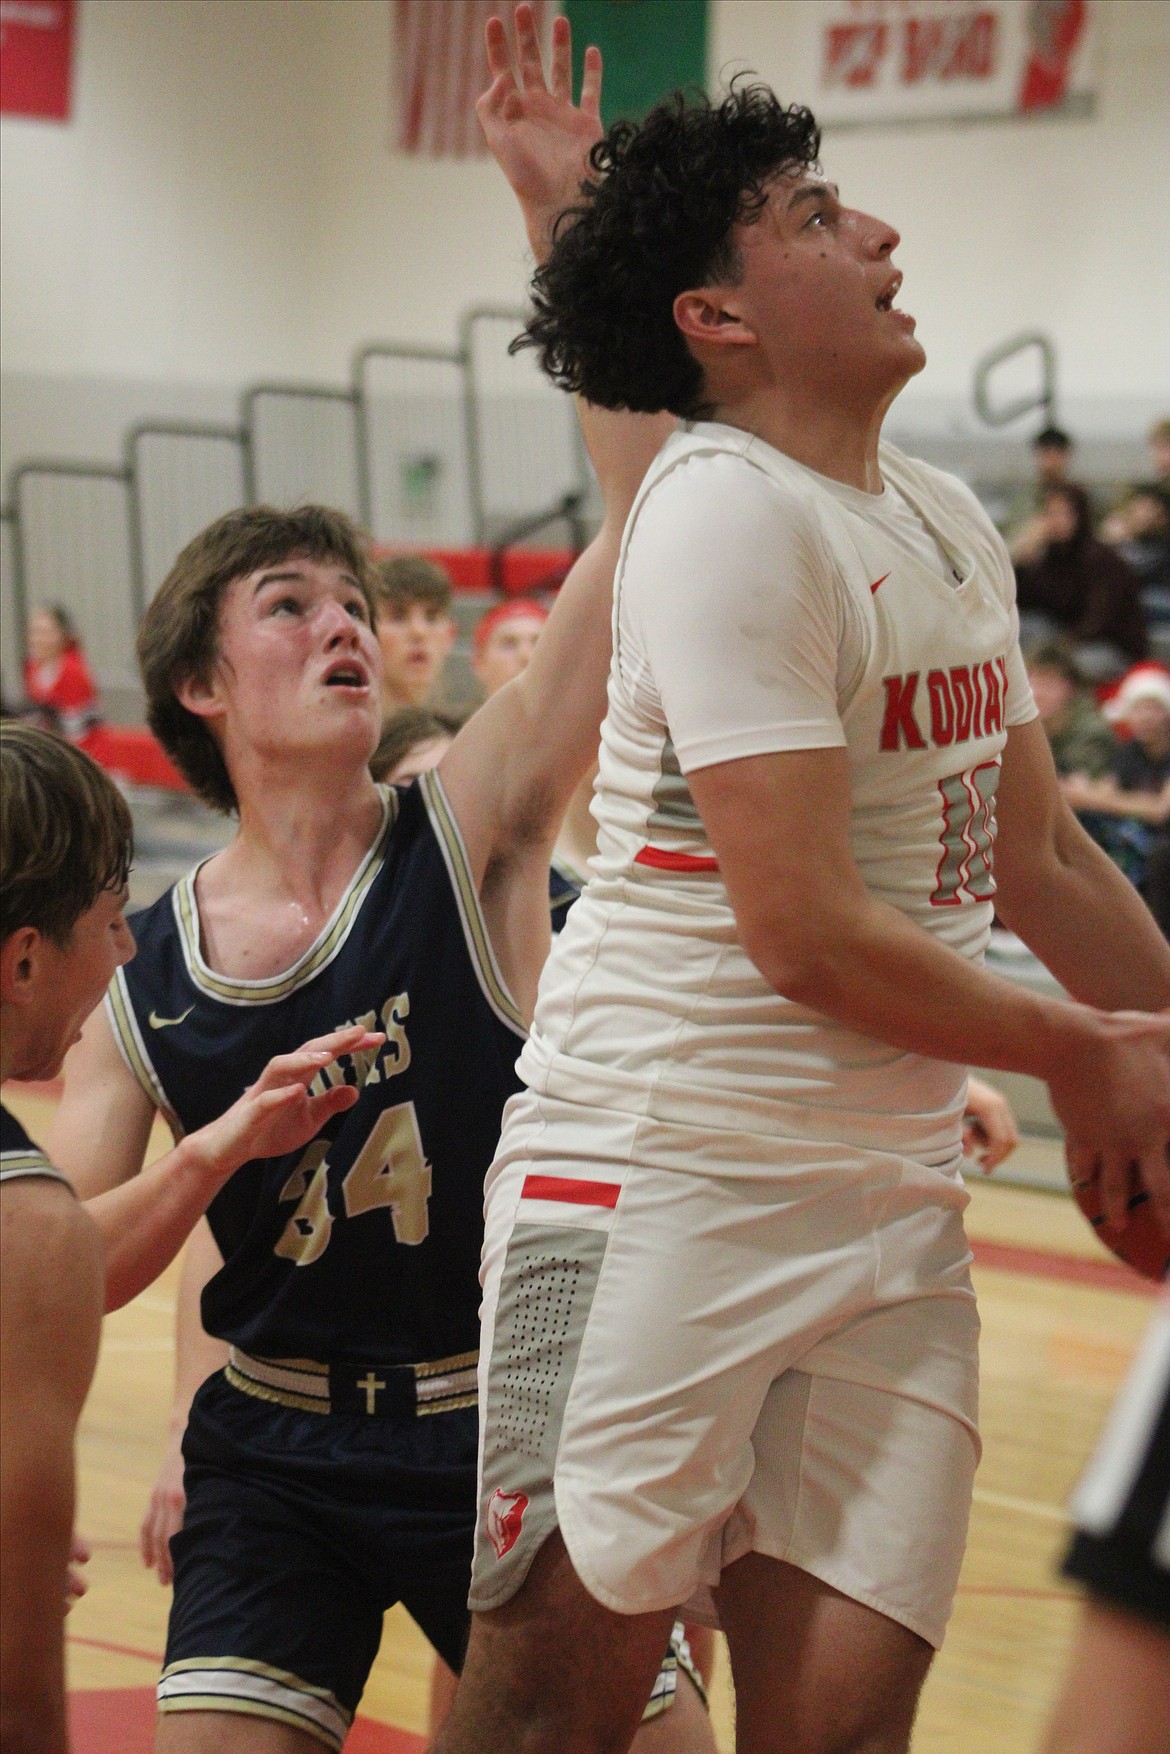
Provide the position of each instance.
(538, 136)
(279, 1112)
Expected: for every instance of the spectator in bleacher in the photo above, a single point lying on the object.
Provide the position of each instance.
(1140, 531)
(1128, 810)
(1158, 440)
(412, 742)
(1079, 735)
(1080, 590)
(60, 692)
(504, 640)
(1052, 451)
(415, 629)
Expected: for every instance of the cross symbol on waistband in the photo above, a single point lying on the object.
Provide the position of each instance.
(371, 1384)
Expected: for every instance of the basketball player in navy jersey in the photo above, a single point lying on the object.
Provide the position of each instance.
(66, 852)
(330, 1469)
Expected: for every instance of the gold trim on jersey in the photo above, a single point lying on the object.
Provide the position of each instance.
(315, 958)
(132, 1047)
(253, 1689)
(27, 1164)
(483, 957)
(291, 1382)
(441, 1385)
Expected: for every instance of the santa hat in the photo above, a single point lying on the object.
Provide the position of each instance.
(1147, 682)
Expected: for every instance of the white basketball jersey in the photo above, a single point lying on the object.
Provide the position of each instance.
(758, 608)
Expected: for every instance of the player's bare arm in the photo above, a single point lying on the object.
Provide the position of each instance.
(512, 771)
(51, 1265)
(197, 1355)
(779, 825)
(1063, 896)
(101, 1126)
(144, 1218)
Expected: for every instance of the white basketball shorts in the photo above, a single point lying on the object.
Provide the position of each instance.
(698, 1344)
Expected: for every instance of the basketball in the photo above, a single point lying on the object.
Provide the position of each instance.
(1143, 1244)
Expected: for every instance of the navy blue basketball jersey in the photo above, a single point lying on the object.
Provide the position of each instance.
(20, 1159)
(564, 888)
(365, 1244)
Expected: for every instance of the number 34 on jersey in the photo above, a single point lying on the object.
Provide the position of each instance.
(389, 1170)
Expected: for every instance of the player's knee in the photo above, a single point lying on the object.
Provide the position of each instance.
(579, 1691)
(876, 1729)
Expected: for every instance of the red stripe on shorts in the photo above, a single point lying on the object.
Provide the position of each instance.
(660, 860)
(557, 1187)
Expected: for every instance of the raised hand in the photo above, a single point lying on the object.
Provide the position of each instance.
(277, 1114)
(539, 138)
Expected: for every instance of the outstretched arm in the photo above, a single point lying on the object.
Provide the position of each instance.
(539, 138)
(145, 1222)
(103, 1124)
(512, 770)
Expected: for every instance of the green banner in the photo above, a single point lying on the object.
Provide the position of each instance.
(649, 48)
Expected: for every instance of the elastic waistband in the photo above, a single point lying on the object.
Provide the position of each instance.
(378, 1390)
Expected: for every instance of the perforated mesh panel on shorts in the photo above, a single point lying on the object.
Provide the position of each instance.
(547, 1287)
(546, 1292)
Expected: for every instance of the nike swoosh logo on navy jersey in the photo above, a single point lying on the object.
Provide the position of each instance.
(157, 1022)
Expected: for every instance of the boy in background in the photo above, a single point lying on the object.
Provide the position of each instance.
(415, 628)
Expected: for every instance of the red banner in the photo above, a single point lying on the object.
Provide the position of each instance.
(940, 60)
(36, 57)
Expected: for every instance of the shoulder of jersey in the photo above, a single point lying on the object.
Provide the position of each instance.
(940, 485)
(148, 919)
(20, 1159)
(742, 460)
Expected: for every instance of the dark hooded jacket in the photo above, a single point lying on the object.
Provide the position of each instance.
(1085, 587)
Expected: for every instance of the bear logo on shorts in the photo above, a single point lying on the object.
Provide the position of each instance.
(505, 1514)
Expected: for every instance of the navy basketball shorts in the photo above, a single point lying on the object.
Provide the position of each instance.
(301, 1529)
(1121, 1548)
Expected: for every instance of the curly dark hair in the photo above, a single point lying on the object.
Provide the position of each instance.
(657, 222)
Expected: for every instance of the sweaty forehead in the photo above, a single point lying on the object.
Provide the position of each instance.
(801, 183)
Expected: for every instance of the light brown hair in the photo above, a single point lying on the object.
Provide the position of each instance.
(404, 731)
(178, 640)
(403, 579)
(67, 833)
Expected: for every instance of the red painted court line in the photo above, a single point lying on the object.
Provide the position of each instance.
(118, 1650)
(575, 1193)
(1009, 1257)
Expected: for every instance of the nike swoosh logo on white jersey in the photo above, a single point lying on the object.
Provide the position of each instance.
(878, 582)
(157, 1022)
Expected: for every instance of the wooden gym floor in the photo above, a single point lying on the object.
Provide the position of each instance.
(1061, 1320)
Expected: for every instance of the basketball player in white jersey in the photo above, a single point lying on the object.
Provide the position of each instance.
(729, 1342)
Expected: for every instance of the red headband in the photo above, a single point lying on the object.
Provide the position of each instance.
(519, 608)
